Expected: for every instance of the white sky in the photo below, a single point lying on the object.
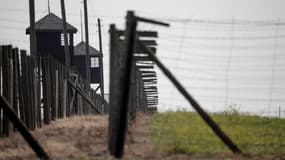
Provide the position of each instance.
(201, 64)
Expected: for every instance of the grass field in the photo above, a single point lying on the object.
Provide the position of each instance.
(186, 132)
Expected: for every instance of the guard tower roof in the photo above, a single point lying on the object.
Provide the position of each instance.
(80, 50)
(51, 23)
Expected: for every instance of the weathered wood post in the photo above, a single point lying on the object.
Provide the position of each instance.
(33, 48)
(53, 88)
(133, 91)
(101, 66)
(67, 59)
(46, 90)
(23, 101)
(87, 58)
(30, 90)
(7, 86)
(39, 95)
(1, 88)
(119, 110)
(16, 80)
(56, 91)
(113, 109)
(61, 92)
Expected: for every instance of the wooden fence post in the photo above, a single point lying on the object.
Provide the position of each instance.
(16, 81)
(119, 110)
(33, 91)
(52, 88)
(30, 86)
(114, 64)
(64, 97)
(56, 91)
(23, 87)
(80, 100)
(132, 98)
(46, 89)
(1, 88)
(63, 92)
(60, 91)
(7, 85)
(35, 94)
(30, 109)
(39, 92)
(28, 92)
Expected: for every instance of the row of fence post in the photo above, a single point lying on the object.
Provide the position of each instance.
(138, 96)
(38, 91)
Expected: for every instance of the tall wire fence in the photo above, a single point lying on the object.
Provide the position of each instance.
(224, 62)
(199, 131)
(232, 67)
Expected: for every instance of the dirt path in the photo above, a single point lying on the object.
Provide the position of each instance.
(73, 138)
(85, 138)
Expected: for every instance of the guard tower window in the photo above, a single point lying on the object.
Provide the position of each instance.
(62, 39)
(94, 62)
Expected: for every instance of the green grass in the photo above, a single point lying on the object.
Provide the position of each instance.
(186, 132)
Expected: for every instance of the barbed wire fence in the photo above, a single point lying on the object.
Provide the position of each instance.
(226, 63)
(233, 61)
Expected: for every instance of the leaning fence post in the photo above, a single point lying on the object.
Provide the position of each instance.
(34, 144)
(209, 121)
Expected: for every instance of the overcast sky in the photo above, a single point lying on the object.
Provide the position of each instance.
(216, 47)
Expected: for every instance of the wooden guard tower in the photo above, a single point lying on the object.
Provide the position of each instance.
(50, 40)
(95, 57)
